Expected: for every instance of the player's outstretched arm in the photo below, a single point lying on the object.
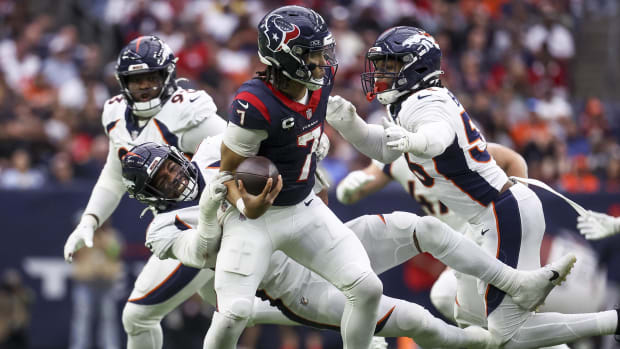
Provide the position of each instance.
(368, 139)
(359, 184)
(104, 199)
(596, 225)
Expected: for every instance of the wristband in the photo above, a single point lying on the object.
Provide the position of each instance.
(240, 206)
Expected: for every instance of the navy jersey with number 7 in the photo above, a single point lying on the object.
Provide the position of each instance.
(293, 129)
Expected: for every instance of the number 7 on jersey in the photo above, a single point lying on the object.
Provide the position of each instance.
(302, 141)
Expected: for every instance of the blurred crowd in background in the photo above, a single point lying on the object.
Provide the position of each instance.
(510, 63)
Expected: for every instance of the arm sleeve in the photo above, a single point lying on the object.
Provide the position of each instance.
(165, 240)
(188, 249)
(211, 126)
(369, 139)
(435, 138)
(432, 130)
(243, 141)
(108, 190)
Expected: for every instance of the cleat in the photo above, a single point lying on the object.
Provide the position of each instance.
(535, 285)
(378, 343)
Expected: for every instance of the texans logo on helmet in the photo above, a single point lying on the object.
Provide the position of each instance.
(279, 32)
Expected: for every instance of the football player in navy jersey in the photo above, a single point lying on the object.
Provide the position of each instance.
(280, 115)
(444, 149)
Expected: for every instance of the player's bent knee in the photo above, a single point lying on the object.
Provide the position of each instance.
(418, 324)
(369, 289)
(137, 319)
(430, 233)
(239, 310)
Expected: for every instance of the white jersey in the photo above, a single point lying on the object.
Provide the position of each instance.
(184, 111)
(166, 226)
(184, 121)
(399, 171)
(464, 177)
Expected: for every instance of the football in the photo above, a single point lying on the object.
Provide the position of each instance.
(254, 173)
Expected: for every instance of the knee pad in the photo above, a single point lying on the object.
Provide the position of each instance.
(417, 323)
(239, 310)
(368, 289)
(136, 319)
(435, 237)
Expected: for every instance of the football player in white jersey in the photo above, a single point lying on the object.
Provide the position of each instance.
(151, 107)
(159, 176)
(376, 176)
(591, 279)
(448, 154)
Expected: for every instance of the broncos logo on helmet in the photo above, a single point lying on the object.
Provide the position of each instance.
(419, 57)
(279, 32)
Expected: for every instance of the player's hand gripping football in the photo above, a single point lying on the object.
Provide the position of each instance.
(214, 193)
(398, 138)
(256, 205)
(596, 226)
(81, 236)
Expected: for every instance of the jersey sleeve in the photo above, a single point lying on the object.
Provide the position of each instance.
(161, 234)
(112, 108)
(247, 111)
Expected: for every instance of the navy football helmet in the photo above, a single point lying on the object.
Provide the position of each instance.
(141, 175)
(147, 54)
(419, 56)
(287, 35)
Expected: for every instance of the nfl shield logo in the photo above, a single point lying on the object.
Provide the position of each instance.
(308, 114)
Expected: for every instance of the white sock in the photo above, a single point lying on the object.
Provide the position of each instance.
(224, 332)
(546, 329)
(361, 305)
(463, 255)
(414, 321)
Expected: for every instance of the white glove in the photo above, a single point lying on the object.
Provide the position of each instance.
(340, 112)
(398, 138)
(323, 149)
(378, 343)
(595, 225)
(81, 236)
(209, 230)
(214, 193)
(351, 184)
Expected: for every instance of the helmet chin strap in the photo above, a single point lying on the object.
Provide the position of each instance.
(391, 96)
